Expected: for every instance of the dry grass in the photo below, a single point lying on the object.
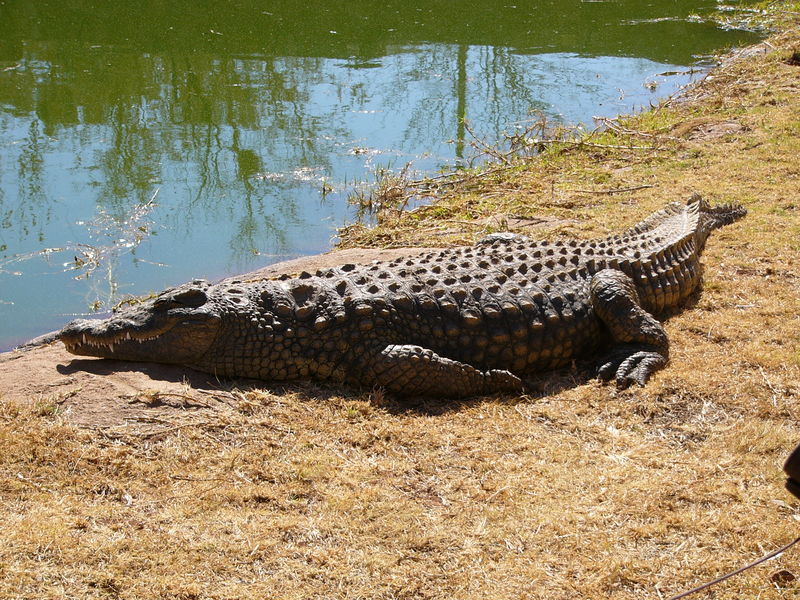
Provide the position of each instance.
(578, 491)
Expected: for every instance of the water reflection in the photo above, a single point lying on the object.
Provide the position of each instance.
(236, 117)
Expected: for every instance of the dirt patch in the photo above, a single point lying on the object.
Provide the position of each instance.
(702, 129)
(102, 393)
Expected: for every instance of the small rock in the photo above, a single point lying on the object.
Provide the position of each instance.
(781, 577)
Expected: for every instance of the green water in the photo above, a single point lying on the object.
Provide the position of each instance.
(146, 143)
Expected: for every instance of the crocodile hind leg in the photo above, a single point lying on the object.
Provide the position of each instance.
(409, 370)
(642, 345)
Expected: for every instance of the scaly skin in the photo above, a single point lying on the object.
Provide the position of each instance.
(460, 322)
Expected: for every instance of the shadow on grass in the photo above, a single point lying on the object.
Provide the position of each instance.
(156, 371)
(539, 386)
(546, 384)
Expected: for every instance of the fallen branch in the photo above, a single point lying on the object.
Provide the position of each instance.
(614, 126)
(614, 191)
(596, 145)
(755, 563)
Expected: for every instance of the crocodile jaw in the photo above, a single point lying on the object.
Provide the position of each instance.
(144, 334)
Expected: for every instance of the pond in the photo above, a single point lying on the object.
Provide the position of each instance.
(143, 144)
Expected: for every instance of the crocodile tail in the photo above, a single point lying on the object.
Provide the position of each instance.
(710, 217)
(655, 220)
(722, 215)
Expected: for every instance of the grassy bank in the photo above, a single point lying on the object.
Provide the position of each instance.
(577, 490)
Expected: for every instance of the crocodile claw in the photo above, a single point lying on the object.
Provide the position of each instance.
(629, 366)
(498, 380)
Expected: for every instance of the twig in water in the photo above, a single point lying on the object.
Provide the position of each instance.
(487, 149)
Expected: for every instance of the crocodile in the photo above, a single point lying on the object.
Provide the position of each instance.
(464, 321)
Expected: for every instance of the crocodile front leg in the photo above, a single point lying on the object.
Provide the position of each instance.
(643, 345)
(409, 370)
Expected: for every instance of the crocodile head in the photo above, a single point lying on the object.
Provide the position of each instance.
(177, 326)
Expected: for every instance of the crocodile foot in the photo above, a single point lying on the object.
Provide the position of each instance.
(631, 364)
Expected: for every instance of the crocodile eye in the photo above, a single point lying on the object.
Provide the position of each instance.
(191, 298)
